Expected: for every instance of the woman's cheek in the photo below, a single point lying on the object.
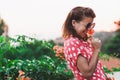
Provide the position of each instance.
(82, 29)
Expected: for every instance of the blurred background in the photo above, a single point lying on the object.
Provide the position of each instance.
(43, 19)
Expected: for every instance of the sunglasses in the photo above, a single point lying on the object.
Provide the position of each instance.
(90, 25)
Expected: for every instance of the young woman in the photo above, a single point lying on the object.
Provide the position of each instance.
(80, 52)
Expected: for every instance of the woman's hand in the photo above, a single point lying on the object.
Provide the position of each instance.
(96, 43)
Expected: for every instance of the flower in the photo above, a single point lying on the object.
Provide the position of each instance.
(90, 35)
(59, 52)
(22, 76)
(21, 72)
(90, 32)
(117, 22)
(55, 47)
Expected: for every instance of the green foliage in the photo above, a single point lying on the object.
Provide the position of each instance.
(45, 68)
(116, 69)
(35, 57)
(24, 47)
(111, 71)
(112, 46)
(106, 70)
(104, 56)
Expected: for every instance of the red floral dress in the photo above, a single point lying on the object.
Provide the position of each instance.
(73, 47)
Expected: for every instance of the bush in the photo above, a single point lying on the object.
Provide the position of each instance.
(24, 47)
(45, 68)
(112, 47)
(35, 57)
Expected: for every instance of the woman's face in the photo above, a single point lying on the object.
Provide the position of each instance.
(83, 26)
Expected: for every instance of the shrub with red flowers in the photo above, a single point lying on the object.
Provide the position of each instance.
(31, 59)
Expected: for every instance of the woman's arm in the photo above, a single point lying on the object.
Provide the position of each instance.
(85, 67)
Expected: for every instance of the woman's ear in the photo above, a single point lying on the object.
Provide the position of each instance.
(73, 23)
